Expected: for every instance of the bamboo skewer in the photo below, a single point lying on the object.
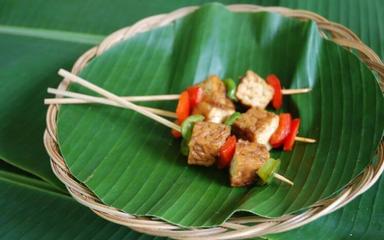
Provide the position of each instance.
(305, 140)
(76, 79)
(77, 98)
(295, 91)
(283, 179)
(130, 98)
(164, 97)
(151, 98)
(82, 98)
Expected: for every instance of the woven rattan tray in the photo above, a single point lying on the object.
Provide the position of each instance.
(234, 228)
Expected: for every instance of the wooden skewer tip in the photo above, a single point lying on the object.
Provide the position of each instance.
(295, 91)
(52, 90)
(305, 139)
(283, 179)
(68, 75)
(62, 71)
(305, 90)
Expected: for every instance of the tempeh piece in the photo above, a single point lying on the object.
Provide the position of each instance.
(256, 125)
(253, 91)
(214, 106)
(205, 143)
(248, 158)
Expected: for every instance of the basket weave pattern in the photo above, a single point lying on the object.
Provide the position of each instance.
(234, 228)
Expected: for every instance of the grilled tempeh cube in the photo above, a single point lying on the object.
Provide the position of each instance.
(253, 91)
(256, 125)
(214, 111)
(213, 87)
(248, 158)
(214, 106)
(205, 143)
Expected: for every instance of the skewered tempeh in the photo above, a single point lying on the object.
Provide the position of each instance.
(206, 140)
(248, 158)
(253, 91)
(256, 125)
(214, 106)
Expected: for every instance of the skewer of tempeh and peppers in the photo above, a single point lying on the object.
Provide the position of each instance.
(216, 134)
(215, 98)
(213, 132)
(208, 143)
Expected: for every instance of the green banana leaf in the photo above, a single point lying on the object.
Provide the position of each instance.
(361, 219)
(133, 164)
(30, 31)
(22, 23)
(32, 36)
(30, 211)
(28, 70)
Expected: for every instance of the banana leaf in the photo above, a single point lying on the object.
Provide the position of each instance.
(30, 210)
(133, 164)
(31, 38)
(31, 33)
(22, 112)
(361, 219)
(20, 24)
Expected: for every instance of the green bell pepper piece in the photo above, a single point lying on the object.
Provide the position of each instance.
(184, 149)
(232, 119)
(230, 85)
(268, 169)
(187, 125)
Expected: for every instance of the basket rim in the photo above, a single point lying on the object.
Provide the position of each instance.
(234, 227)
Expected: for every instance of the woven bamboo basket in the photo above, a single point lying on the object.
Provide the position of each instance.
(235, 227)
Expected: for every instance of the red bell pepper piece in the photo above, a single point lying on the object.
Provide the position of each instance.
(176, 134)
(226, 152)
(290, 139)
(183, 107)
(282, 131)
(277, 99)
(195, 95)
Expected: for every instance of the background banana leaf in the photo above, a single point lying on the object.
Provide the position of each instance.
(31, 212)
(361, 219)
(133, 164)
(32, 33)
